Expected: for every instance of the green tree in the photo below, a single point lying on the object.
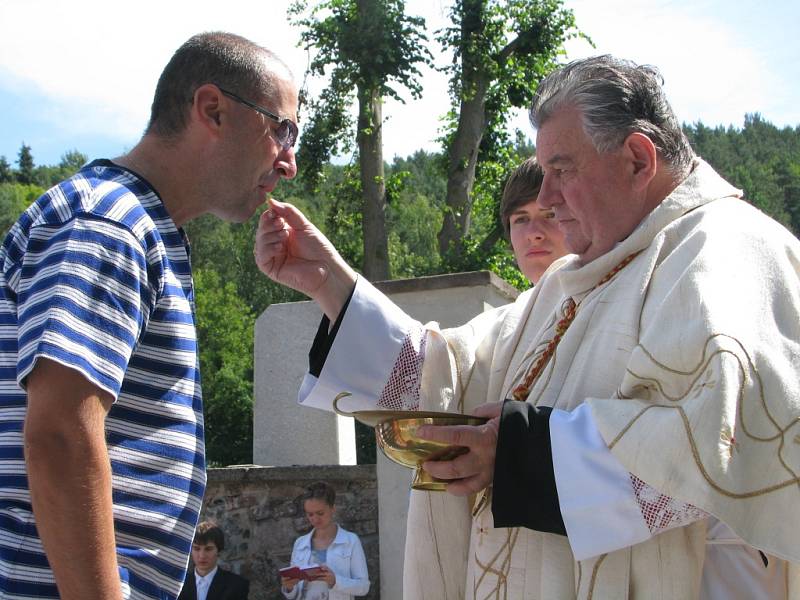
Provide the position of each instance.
(14, 199)
(6, 174)
(761, 159)
(227, 249)
(501, 50)
(230, 293)
(369, 46)
(72, 161)
(25, 165)
(225, 334)
(413, 224)
(789, 179)
(486, 247)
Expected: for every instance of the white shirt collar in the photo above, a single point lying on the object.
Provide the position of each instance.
(208, 576)
(203, 583)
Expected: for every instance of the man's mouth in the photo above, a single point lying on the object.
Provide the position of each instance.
(537, 252)
(269, 181)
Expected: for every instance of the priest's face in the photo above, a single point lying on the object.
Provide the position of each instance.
(591, 194)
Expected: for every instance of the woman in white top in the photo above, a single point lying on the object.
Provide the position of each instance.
(337, 551)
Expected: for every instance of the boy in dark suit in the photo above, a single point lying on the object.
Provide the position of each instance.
(207, 581)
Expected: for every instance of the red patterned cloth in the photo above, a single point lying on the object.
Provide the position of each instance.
(401, 392)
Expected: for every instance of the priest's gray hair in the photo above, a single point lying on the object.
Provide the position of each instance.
(615, 97)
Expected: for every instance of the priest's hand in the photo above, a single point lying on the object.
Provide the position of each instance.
(473, 471)
(290, 250)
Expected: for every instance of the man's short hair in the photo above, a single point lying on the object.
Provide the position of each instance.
(615, 98)
(320, 491)
(228, 60)
(209, 532)
(522, 186)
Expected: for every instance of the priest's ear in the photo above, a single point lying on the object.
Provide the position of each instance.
(643, 159)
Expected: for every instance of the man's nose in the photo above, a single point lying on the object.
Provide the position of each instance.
(548, 194)
(285, 163)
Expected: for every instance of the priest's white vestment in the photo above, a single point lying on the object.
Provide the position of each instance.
(688, 359)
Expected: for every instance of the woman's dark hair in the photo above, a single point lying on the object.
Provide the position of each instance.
(320, 491)
(522, 186)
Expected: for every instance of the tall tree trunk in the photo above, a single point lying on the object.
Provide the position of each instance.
(373, 186)
(461, 162)
(463, 153)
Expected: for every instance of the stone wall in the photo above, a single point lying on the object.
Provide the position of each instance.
(258, 510)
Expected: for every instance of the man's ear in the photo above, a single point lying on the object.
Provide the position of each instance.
(207, 107)
(641, 152)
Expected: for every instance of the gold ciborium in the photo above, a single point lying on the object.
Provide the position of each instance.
(396, 436)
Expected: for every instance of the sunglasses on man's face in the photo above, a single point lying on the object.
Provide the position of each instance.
(287, 131)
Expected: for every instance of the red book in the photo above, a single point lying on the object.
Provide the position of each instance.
(308, 573)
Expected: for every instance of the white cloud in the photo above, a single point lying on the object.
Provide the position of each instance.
(99, 61)
(715, 69)
(96, 62)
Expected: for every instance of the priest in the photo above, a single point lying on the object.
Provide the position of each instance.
(644, 398)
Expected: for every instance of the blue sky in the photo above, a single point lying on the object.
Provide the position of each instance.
(80, 74)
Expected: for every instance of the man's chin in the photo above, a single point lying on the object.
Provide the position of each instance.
(577, 244)
(251, 209)
(240, 216)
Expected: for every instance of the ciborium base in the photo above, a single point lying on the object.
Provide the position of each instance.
(425, 481)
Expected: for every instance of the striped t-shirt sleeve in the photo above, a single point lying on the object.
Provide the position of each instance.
(81, 299)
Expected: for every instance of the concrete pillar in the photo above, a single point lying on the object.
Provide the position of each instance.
(285, 433)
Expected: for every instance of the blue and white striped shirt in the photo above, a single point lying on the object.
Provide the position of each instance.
(95, 276)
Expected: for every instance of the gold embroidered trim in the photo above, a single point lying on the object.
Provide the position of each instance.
(696, 456)
(501, 585)
(700, 369)
(462, 387)
(432, 529)
(593, 580)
